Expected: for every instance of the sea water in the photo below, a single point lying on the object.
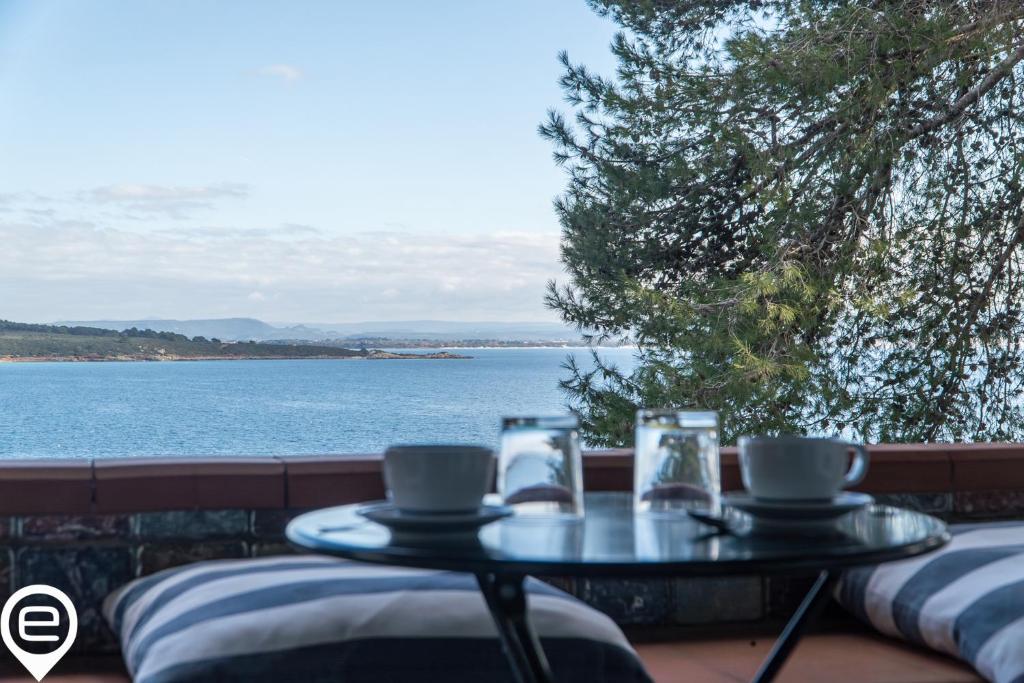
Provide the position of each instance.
(275, 407)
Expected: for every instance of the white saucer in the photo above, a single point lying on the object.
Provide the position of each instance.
(796, 516)
(803, 510)
(386, 514)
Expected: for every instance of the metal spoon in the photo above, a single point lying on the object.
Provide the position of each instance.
(718, 523)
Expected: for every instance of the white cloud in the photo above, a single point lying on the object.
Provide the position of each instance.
(285, 72)
(63, 269)
(174, 201)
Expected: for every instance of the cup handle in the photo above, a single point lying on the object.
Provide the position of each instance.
(859, 467)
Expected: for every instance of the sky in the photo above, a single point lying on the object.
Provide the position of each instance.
(293, 161)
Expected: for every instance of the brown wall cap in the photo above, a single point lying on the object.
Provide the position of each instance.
(730, 462)
(913, 447)
(987, 467)
(333, 480)
(37, 487)
(333, 464)
(608, 470)
(44, 468)
(142, 484)
(611, 457)
(113, 468)
(908, 470)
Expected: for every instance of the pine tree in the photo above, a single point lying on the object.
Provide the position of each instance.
(807, 215)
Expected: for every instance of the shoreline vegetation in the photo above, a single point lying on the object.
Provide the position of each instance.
(384, 342)
(27, 343)
(373, 354)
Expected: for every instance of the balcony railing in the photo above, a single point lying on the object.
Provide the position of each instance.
(972, 480)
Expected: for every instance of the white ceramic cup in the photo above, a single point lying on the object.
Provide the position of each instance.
(438, 479)
(799, 468)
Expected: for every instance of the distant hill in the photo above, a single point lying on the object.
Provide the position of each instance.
(228, 329)
(245, 329)
(26, 342)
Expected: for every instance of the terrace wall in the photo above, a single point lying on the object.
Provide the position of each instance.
(87, 527)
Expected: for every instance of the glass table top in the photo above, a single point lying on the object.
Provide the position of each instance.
(611, 540)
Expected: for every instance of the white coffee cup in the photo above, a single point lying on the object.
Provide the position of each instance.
(799, 468)
(438, 478)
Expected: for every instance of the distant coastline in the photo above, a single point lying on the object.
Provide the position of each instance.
(388, 343)
(27, 343)
(166, 358)
(394, 335)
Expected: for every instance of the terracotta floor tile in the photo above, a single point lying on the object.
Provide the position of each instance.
(831, 658)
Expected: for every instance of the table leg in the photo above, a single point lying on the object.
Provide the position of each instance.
(506, 598)
(809, 609)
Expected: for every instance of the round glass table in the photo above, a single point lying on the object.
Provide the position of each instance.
(610, 540)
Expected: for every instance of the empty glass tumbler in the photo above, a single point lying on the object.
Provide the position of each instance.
(676, 464)
(540, 468)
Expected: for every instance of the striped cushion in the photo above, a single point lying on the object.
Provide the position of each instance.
(318, 619)
(966, 600)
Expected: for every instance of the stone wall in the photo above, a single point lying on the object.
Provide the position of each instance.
(88, 556)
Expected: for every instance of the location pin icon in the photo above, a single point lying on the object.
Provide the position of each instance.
(38, 664)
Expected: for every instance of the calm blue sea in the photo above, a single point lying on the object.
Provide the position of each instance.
(273, 407)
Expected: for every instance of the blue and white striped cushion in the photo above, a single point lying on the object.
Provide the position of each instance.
(966, 600)
(311, 619)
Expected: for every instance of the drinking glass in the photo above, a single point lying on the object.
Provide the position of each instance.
(676, 461)
(540, 469)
